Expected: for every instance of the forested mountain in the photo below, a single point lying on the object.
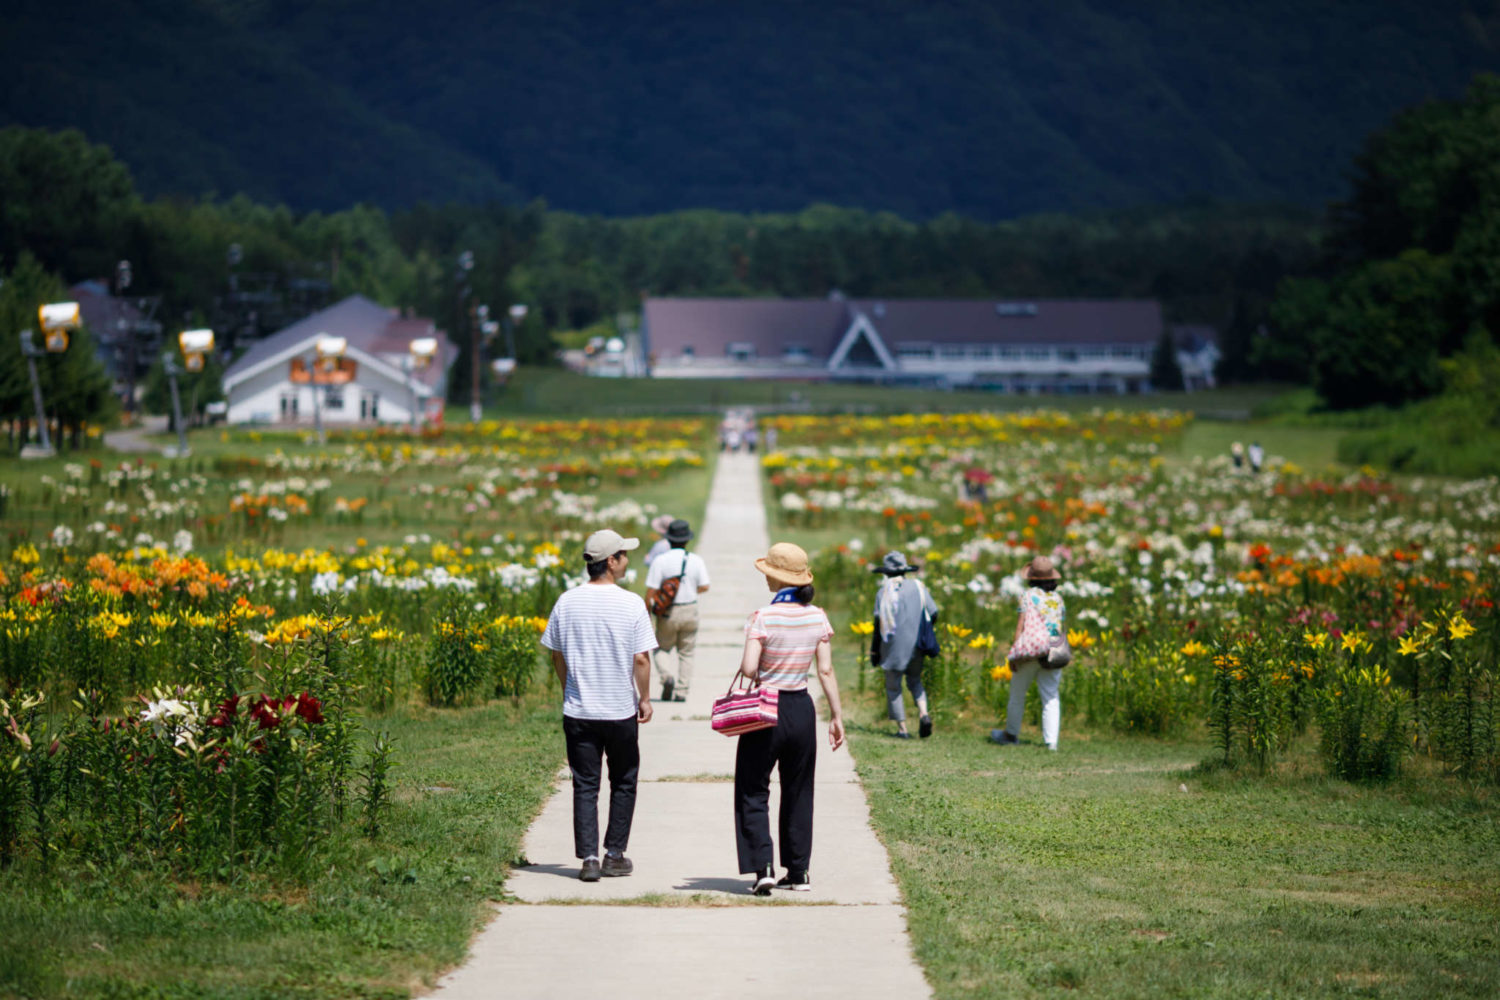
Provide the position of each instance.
(988, 108)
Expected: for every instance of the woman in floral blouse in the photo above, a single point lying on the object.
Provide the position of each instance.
(1042, 597)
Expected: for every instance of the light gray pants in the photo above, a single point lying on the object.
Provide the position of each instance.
(679, 631)
(913, 675)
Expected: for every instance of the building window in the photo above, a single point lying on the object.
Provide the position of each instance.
(688, 353)
(1038, 353)
(740, 351)
(1010, 354)
(914, 352)
(333, 398)
(796, 354)
(1067, 354)
(952, 352)
(980, 352)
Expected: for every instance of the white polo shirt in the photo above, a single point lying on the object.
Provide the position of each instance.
(670, 564)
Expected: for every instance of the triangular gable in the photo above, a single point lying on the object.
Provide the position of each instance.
(861, 328)
(305, 347)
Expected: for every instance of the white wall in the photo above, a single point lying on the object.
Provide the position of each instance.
(259, 399)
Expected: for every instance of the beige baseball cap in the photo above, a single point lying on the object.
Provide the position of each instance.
(605, 543)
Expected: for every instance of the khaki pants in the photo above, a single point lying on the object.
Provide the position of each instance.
(679, 631)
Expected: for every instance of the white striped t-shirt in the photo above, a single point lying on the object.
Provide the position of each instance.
(598, 628)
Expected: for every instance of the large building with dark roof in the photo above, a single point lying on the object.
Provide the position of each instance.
(1034, 345)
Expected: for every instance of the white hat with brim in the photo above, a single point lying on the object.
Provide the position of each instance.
(605, 543)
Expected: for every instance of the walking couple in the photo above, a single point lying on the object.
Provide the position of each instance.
(601, 640)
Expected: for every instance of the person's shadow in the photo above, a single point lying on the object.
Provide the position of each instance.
(565, 871)
(736, 886)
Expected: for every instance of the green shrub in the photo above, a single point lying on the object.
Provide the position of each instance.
(1360, 718)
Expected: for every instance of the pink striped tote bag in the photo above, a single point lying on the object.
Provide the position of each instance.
(745, 711)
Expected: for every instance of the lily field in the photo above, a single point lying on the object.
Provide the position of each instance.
(274, 718)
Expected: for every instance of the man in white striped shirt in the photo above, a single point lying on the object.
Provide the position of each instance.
(601, 641)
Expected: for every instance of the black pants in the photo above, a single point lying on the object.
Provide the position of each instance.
(590, 741)
(793, 746)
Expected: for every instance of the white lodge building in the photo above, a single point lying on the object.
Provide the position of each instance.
(372, 383)
(1044, 345)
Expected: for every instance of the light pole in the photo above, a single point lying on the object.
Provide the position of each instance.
(419, 355)
(325, 357)
(517, 313)
(478, 327)
(55, 319)
(465, 268)
(194, 344)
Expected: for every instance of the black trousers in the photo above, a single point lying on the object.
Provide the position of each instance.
(590, 742)
(792, 745)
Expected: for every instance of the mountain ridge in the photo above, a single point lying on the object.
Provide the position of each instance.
(992, 110)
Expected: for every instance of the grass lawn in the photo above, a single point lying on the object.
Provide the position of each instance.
(1113, 869)
(1311, 447)
(556, 392)
(382, 919)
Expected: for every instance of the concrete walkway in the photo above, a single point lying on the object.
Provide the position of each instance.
(685, 923)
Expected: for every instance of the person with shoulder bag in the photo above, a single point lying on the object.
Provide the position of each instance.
(1038, 653)
(674, 582)
(783, 642)
(903, 639)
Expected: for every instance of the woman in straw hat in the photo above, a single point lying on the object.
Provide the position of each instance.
(1042, 598)
(783, 641)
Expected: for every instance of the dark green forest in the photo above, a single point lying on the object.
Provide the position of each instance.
(991, 110)
(69, 205)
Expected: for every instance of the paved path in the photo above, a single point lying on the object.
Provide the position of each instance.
(134, 439)
(700, 933)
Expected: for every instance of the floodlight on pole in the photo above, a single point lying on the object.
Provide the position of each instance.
(419, 354)
(325, 356)
(517, 314)
(194, 344)
(56, 319)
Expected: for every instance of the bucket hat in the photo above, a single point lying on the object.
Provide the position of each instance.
(895, 564)
(678, 531)
(785, 564)
(1041, 568)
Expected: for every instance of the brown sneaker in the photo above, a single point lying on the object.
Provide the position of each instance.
(614, 867)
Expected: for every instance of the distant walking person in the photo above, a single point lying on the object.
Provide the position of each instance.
(783, 641)
(1237, 455)
(601, 642)
(659, 524)
(1257, 456)
(677, 622)
(899, 606)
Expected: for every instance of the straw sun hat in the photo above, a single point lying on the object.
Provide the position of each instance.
(1041, 568)
(785, 564)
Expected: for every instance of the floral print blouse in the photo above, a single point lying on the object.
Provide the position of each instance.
(1048, 604)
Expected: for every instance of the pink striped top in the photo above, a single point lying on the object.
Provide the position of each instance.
(789, 635)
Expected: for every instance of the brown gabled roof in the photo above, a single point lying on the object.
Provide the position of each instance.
(987, 321)
(772, 325)
(709, 326)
